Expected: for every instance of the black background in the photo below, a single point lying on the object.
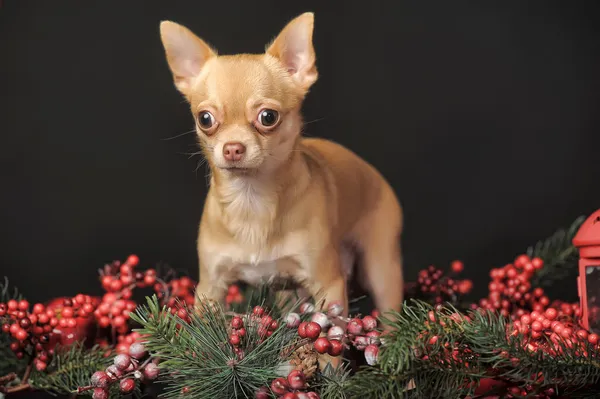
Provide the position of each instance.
(482, 115)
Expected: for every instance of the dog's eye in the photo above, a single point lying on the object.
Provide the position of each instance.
(268, 117)
(206, 120)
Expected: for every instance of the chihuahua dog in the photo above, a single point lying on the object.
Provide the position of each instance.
(281, 206)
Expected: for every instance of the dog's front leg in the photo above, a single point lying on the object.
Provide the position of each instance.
(211, 285)
(328, 286)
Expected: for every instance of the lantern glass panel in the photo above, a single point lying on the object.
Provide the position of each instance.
(592, 285)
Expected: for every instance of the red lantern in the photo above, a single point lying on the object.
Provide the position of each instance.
(587, 240)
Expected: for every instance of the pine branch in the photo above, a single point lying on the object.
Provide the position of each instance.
(8, 360)
(69, 369)
(558, 253)
(332, 383)
(197, 356)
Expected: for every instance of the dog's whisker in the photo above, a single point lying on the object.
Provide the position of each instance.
(179, 135)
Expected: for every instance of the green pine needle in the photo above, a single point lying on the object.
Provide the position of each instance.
(558, 253)
(198, 357)
(70, 369)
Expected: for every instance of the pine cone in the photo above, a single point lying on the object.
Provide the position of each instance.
(305, 359)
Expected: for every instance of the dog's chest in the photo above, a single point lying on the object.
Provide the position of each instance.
(288, 259)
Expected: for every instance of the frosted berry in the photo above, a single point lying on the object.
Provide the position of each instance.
(292, 320)
(279, 386)
(100, 379)
(335, 309)
(122, 361)
(100, 393)
(355, 327)
(335, 333)
(371, 354)
(369, 323)
(296, 379)
(307, 307)
(137, 351)
(151, 371)
(321, 319)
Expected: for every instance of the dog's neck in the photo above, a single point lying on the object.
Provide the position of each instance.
(252, 203)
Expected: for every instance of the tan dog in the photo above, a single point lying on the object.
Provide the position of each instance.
(280, 206)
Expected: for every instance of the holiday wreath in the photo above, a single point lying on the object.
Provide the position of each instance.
(514, 343)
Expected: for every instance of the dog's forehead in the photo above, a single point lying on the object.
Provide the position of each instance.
(233, 80)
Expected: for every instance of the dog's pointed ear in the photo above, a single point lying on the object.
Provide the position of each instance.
(294, 49)
(186, 54)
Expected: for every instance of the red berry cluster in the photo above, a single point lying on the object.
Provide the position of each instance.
(361, 333)
(234, 295)
(292, 387)
(36, 331)
(126, 368)
(433, 283)
(258, 322)
(114, 312)
(510, 290)
(181, 291)
(549, 330)
(444, 353)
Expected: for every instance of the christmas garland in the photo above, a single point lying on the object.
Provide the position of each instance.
(513, 343)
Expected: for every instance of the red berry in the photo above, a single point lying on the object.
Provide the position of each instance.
(234, 339)
(241, 332)
(551, 313)
(313, 395)
(12, 304)
(150, 280)
(237, 322)
(457, 266)
(262, 393)
(258, 311)
(296, 379)
(593, 339)
(290, 395)
(302, 329)
(355, 327)
(537, 263)
(322, 345)
(127, 385)
(133, 260)
(336, 348)
(582, 334)
(116, 285)
(537, 326)
(312, 330)
(233, 290)
(23, 305)
(118, 321)
(279, 386)
(21, 335)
